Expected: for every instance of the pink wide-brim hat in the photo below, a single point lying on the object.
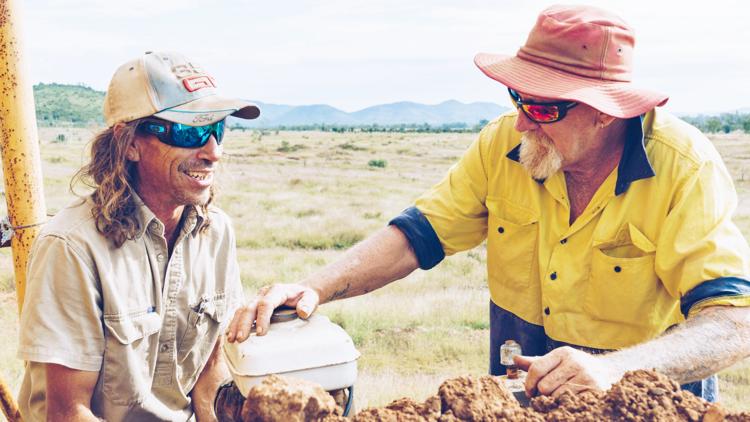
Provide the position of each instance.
(576, 53)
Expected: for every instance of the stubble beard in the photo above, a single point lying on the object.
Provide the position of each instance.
(539, 156)
(201, 199)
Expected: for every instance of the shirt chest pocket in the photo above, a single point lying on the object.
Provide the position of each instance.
(512, 239)
(129, 356)
(204, 322)
(623, 286)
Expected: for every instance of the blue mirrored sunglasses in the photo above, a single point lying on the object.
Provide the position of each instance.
(183, 136)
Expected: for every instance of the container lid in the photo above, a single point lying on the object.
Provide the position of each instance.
(291, 346)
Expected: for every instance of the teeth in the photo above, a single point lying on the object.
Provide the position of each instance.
(197, 175)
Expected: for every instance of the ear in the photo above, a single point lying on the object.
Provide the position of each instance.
(604, 120)
(132, 153)
(131, 150)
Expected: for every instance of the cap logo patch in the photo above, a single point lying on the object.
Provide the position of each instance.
(194, 83)
(187, 69)
(203, 118)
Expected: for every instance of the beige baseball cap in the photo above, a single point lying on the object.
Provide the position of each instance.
(171, 87)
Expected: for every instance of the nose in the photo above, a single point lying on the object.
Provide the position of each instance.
(523, 123)
(211, 151)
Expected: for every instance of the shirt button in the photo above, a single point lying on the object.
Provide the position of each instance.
(546, 311)
(164, 348)
(564, 241)
(160, 257)
(500, 230)
(617, 268)
(553, 276)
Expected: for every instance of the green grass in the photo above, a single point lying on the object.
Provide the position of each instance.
(298, 199)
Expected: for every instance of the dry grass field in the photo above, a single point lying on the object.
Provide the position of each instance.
(299, 198)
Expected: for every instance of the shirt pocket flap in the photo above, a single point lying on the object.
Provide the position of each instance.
(128, 329)
(216, 309)
(640, 240)
(627, 237)
(507, 211)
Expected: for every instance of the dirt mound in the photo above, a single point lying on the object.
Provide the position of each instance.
(289, 400)
(586, 407)
(403, 410)
(639, 396)
(647, 395)
(480, 399)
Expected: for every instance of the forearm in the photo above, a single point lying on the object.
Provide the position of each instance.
(706, 343)
(380, 259)
(204, 392)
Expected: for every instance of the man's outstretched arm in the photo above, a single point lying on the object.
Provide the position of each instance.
(713, 339)
(384, 257)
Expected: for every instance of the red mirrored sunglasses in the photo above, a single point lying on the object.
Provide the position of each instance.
(542, 112)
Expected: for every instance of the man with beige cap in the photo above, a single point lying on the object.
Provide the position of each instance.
(610, 244)
(130, 287)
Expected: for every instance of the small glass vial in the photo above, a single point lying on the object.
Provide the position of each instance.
(507, 351)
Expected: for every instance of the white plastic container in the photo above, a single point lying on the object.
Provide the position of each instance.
(315, 350)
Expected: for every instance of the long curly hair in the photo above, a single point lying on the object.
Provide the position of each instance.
(114, 180)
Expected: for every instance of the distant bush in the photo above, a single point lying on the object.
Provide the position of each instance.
(321, 241)
(351, 147)
(377, 163)
(286, 147)
(60, 138)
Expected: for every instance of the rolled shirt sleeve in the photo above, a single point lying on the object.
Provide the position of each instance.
(421, 237)
(61, 320)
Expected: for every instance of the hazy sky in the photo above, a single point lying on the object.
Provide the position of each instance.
(355, 53)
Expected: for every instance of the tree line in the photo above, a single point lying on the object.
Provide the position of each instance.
(723, 123)
(457, 127)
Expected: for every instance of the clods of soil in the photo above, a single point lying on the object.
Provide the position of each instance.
(279, 399)
(639, 396)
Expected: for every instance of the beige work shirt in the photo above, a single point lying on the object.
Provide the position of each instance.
(144, 320)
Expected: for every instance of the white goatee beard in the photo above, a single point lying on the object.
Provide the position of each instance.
(539, 156)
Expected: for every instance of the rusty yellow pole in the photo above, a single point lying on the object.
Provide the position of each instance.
(22, 168)
(19, 145)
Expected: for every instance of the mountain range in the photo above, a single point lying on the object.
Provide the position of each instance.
(80, 105)
(404, 112)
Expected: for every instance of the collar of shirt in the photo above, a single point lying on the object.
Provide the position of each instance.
(634, 164)
(192, 221)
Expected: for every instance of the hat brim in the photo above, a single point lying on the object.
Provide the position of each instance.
(209, 109)
(618, 99)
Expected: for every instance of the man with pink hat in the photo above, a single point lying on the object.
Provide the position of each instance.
(130, 287)
(610, 245)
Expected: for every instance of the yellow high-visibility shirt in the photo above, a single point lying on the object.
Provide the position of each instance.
(657, 234)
